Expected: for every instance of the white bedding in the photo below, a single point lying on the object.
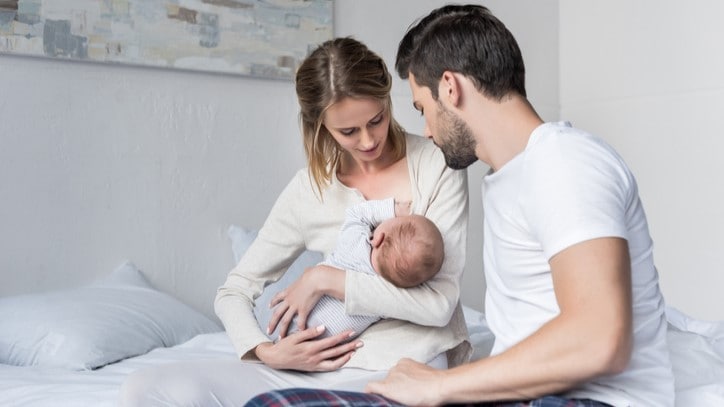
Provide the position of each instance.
(697, 349)
(38, 386)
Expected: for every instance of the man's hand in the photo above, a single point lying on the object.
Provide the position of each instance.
(410, 383)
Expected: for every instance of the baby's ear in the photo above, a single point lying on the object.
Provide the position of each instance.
(377, 239)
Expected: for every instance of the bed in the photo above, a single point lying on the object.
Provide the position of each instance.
(75, 347)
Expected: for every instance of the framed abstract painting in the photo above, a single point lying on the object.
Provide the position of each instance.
(258, 38)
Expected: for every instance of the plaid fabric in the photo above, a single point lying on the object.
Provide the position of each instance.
(547, 401)
(319, 398)
(330, 398)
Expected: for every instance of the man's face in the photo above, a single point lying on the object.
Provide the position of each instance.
(450, 133)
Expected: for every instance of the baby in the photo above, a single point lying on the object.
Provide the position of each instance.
(406, 250)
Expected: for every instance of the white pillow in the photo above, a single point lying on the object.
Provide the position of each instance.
(241, 239)
(88, 327)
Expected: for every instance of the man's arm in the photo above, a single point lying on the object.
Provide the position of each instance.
(592, 336)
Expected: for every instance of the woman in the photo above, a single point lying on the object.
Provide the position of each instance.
(355, 151)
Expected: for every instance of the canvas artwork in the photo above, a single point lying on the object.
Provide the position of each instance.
(260, 38)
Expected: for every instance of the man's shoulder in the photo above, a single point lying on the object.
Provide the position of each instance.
(567, 145)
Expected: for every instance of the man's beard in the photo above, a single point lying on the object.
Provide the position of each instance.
(458, 145)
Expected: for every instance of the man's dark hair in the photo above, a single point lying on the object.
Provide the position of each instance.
(467, 39)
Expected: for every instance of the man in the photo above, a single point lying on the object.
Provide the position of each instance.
(572, 291)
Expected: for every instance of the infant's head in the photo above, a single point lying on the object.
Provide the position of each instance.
(407, 250)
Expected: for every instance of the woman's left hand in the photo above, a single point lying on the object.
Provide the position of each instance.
(301, 296)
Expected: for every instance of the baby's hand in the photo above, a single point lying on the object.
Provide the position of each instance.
(402, 208)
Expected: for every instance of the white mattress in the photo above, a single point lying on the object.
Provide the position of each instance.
(697, 350)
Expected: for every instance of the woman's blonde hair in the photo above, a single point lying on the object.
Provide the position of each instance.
(337, 69)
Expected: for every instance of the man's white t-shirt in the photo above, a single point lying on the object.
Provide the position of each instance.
(566, 187)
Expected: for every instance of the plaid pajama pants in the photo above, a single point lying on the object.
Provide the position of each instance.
(331, 398)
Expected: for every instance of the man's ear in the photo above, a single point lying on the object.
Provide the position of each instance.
(449, 88)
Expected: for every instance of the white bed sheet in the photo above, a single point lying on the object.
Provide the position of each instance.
(35, 386)
(697, 350)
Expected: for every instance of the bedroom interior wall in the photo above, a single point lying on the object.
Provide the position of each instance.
(105, 163)
(102, 163)
(647, 76)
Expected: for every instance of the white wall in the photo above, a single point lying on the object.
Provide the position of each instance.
(102, 163)
(647, 76)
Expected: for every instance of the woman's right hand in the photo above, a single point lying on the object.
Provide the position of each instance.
(300, 351)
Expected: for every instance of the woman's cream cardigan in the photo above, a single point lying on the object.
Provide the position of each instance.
(299, 221)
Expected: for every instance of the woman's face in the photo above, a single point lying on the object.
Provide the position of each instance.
(359, 126)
